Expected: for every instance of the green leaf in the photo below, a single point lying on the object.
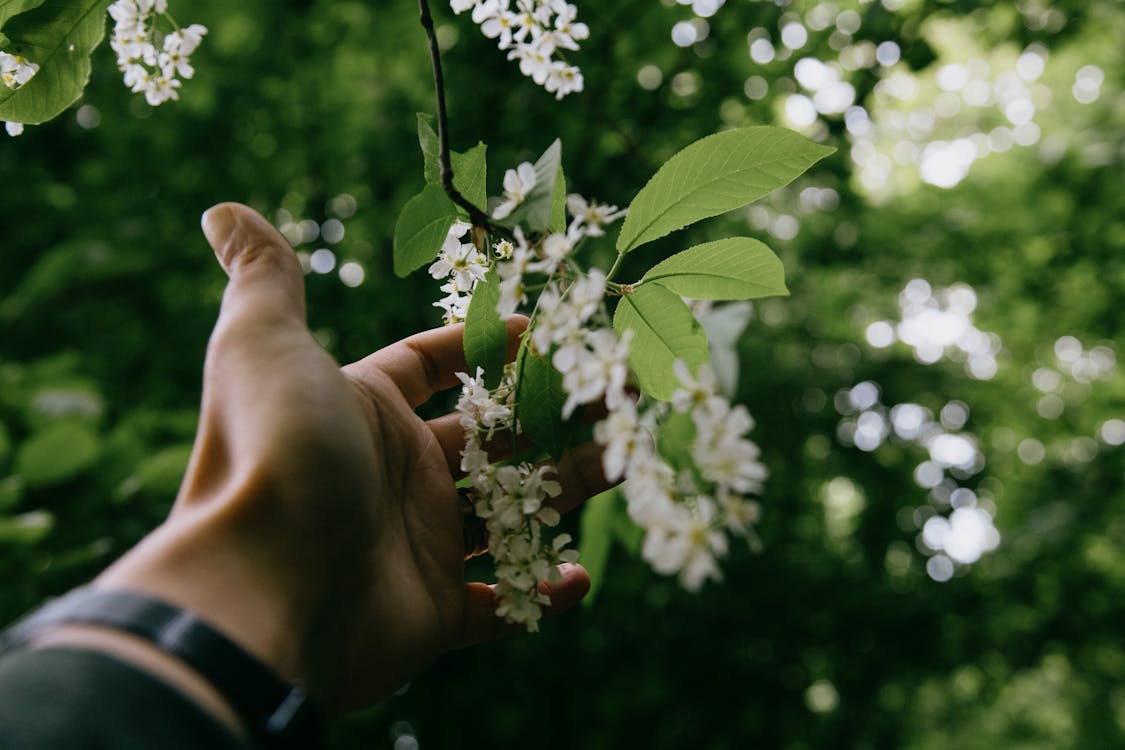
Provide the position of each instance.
(539, 399)
(469, 168)
(664, 330)
(10, 8)
(558, 204)
(431, 150)
(422, 228)
(11, 492)
(538, 209)
(674, 440)
(734, 268)
(714, 175)
(57, 453)
(26, 529)
(486, 335)
(59, 37)
(469, 173)
(158, 475)
(595, 537)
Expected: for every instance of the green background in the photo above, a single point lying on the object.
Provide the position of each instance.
(833, 635)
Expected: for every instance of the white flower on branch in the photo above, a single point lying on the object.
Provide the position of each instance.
(533, 31)
(463, 265)
(686, 543)
(16, 70)
(461, 262)
(567, 32)
(598, 371)
(518, 183)
(623, 437)
(563, 79)
(513, 293)
(151, 67)
(589, 216)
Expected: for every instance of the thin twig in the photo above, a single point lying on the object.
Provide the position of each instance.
(476, 215)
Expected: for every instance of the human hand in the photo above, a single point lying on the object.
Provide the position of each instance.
(318, 522)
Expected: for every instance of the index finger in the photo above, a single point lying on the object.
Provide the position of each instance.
(428, 362)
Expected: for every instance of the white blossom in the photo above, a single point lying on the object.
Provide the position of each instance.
(150, 66)
(553, 321)
(480, 410)
(589, 216)
(463, 266)
(567, 32)
(518, 183)
(599, 372)
(454, 303)
(461, 262)
(514, 501)
(686, 544)
(721, 452)
(532, 31)
(553, 250)
(623, 437)
(16, 70)
(563, 79)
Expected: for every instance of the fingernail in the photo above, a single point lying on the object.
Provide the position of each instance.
(218, 224)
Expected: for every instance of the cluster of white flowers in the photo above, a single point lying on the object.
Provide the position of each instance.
(513, 501)
(15, 71)
(686, 504)
(683, 514)
(462, 265)
(533, 32)
(151, 67)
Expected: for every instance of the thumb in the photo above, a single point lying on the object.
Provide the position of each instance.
(267, 285)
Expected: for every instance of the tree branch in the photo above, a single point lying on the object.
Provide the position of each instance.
(476, 215)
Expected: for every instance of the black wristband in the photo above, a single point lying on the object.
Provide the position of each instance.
(277, 714)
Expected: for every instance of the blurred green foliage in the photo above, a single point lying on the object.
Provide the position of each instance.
(833, 635)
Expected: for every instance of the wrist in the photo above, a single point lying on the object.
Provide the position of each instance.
(181, 649)
(146, 657)
(198, 568)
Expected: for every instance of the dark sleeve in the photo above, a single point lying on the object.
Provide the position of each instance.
(56, 698)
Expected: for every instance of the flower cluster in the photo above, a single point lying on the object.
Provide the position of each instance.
(462, 265)
(15, 71)
(533, 32)
(684, 511)
(513, 500)
(686, 502)
(152, 67)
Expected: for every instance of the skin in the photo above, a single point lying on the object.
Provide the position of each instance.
(317, 524)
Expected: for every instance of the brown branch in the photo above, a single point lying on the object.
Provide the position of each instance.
(476, 215)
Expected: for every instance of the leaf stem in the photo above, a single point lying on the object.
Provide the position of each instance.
(614, 267)
(476, 216)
